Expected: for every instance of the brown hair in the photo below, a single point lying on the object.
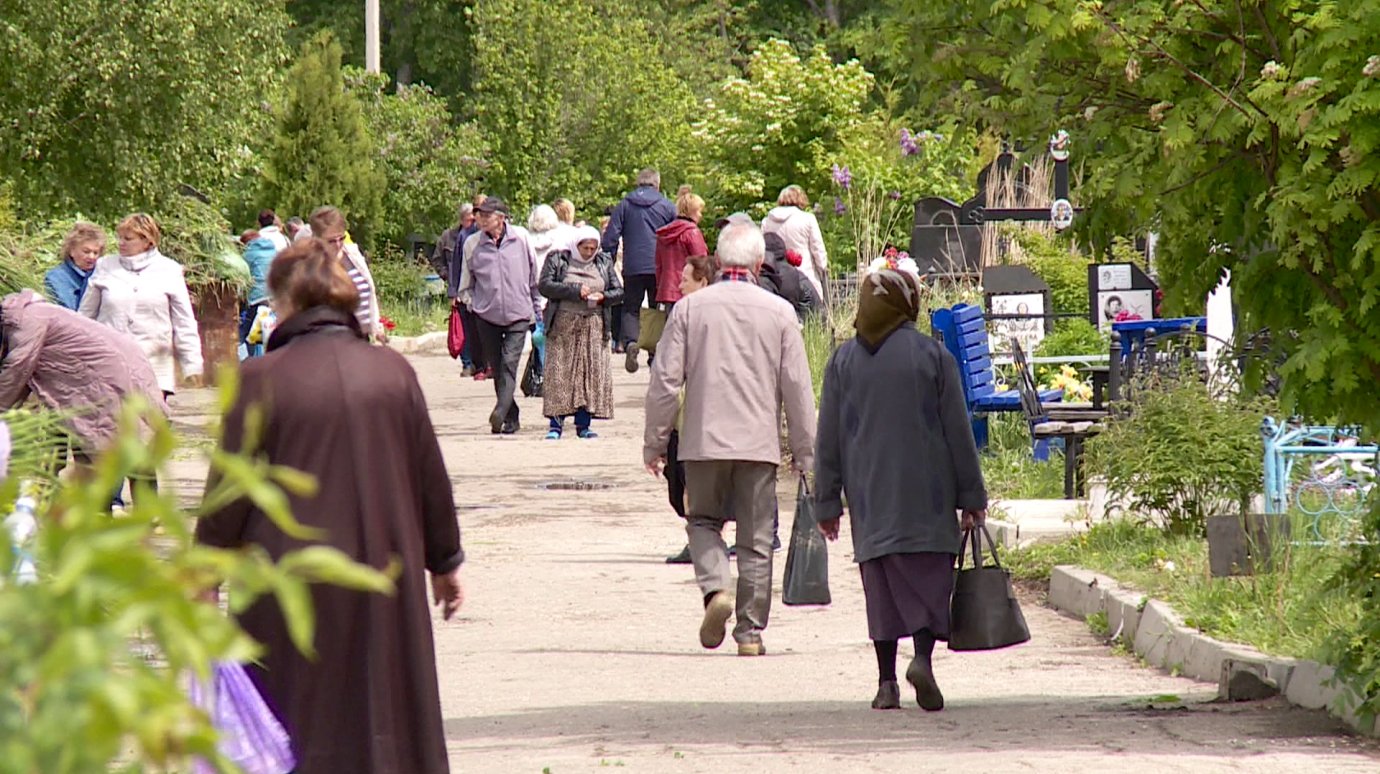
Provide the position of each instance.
(140, 225)
(308, 275)
(326, 218)
(793, 196)
(565, 211)
(80, 234)
(688, 204)
(703, 268)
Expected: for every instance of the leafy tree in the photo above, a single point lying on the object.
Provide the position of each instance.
(108, 106)
(322, 152)
(1244, 132)
(428, 163)
(575, 98)
(782, 124)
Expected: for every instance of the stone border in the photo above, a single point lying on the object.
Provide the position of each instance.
(1157, 634)
(427, 343)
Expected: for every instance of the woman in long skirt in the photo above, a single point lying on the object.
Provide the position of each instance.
(582, 285)
(894, 438)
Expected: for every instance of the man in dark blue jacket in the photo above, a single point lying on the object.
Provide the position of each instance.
(635, 221)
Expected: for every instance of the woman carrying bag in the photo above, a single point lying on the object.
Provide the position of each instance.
(907, 462)
(581, 284)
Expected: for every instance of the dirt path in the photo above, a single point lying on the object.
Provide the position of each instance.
(577, 648)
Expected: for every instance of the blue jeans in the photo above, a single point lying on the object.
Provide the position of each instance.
(582, 420)
(247, 314)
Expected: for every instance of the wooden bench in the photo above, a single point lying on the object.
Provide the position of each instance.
(963, 330)
(1071, 422)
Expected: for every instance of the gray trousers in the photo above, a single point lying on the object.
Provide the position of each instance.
(749, 490)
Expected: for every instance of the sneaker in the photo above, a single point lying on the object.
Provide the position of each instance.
(553, 435)
(630, 359)
(681, 558)
(752, 647)
(888, 696)
(713, 628)
(920, 674)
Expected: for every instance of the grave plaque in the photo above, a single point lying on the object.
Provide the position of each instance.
(1118, 292)
(1018, 304)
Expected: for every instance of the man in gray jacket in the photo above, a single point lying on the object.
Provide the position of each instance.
(498, 282)
(737, 352)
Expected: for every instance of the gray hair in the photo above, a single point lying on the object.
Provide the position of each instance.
(649, 177)
(543, 218)
(741, 246)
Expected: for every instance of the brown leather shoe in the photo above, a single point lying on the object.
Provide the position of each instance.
(752, 647)
(714, 627)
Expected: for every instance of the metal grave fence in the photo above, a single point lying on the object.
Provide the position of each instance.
(1325, 474)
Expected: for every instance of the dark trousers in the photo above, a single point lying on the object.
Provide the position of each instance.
(503, 346)
(247, 314)
(635, 288)
(472, 354)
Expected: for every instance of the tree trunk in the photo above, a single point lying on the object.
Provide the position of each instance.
(218, 317)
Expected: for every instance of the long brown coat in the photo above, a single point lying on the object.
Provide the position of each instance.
(353, 416)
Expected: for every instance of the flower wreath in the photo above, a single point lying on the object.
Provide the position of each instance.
(895, 260)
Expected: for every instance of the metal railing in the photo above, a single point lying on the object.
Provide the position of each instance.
(1323, 473)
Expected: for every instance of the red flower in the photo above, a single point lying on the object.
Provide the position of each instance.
(794, 258)
(387, 324)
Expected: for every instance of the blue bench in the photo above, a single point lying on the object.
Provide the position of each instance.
(963, 330)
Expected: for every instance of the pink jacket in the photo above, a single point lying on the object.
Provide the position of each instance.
(71, 364)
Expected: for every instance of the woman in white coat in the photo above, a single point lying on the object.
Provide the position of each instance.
(143, 293)
(792, 220)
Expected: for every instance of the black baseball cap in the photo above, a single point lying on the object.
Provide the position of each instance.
(493, 204)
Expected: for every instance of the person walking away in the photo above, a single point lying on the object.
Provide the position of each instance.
(580, 283)
(895, 440)
(354, 418)
(698, 273)
(447, 254)
(677, 242)
(737, 352)
(480, 368)
(77, 367)
(498, 282)
(565, 211)
(295, 226)
(781, 278)
(259, 254)
(328, 225)
(65, 283)
(143, 293)
(547, 234)
(799, 230)
(633, 224)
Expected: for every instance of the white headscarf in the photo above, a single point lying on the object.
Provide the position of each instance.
(582, 234)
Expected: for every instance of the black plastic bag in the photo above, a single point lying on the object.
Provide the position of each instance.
(532, 376)
(806, 581)
(984, 614)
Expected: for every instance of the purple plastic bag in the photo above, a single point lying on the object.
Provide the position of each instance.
(250, 735)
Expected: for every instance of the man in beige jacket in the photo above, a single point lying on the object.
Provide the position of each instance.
(737, 352)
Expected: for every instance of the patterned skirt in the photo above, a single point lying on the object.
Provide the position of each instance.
(577, 373)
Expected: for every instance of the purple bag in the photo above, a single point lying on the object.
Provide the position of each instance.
(250, 736)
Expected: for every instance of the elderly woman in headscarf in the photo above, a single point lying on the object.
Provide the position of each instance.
(894, 439)
(581, 285)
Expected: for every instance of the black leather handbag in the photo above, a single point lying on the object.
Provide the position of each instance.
(806, 580)
(984, 613)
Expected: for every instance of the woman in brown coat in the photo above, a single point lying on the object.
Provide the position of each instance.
(354, 417)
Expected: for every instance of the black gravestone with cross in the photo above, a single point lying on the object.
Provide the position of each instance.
(946, 238)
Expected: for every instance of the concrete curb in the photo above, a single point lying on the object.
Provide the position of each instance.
(425, 344)
(1157, 634)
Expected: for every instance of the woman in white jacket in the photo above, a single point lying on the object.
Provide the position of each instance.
(799, 229)
(143, 293)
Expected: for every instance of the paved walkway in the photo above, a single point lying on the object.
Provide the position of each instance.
(577, 647)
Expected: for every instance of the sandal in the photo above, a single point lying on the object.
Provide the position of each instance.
(586, 434)
(553, 435)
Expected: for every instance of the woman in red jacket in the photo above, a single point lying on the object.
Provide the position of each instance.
(676, 242)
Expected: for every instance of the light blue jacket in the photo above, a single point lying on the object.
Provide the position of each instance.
(65, 284)
(259, 255)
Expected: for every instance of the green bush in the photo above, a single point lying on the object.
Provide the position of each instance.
(1071, 336)
(1063, 269)
(1182, 454)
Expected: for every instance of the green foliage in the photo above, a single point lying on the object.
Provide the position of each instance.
(109, 106)
(429, 164)
(1071, 336)
(1294, 610)
(1182, 454)
(1009, 467)
(403, 294)
(574, 100)
(95, 654)
(321, 151)
(198, 237)
(782, 124)
(1058, 264)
